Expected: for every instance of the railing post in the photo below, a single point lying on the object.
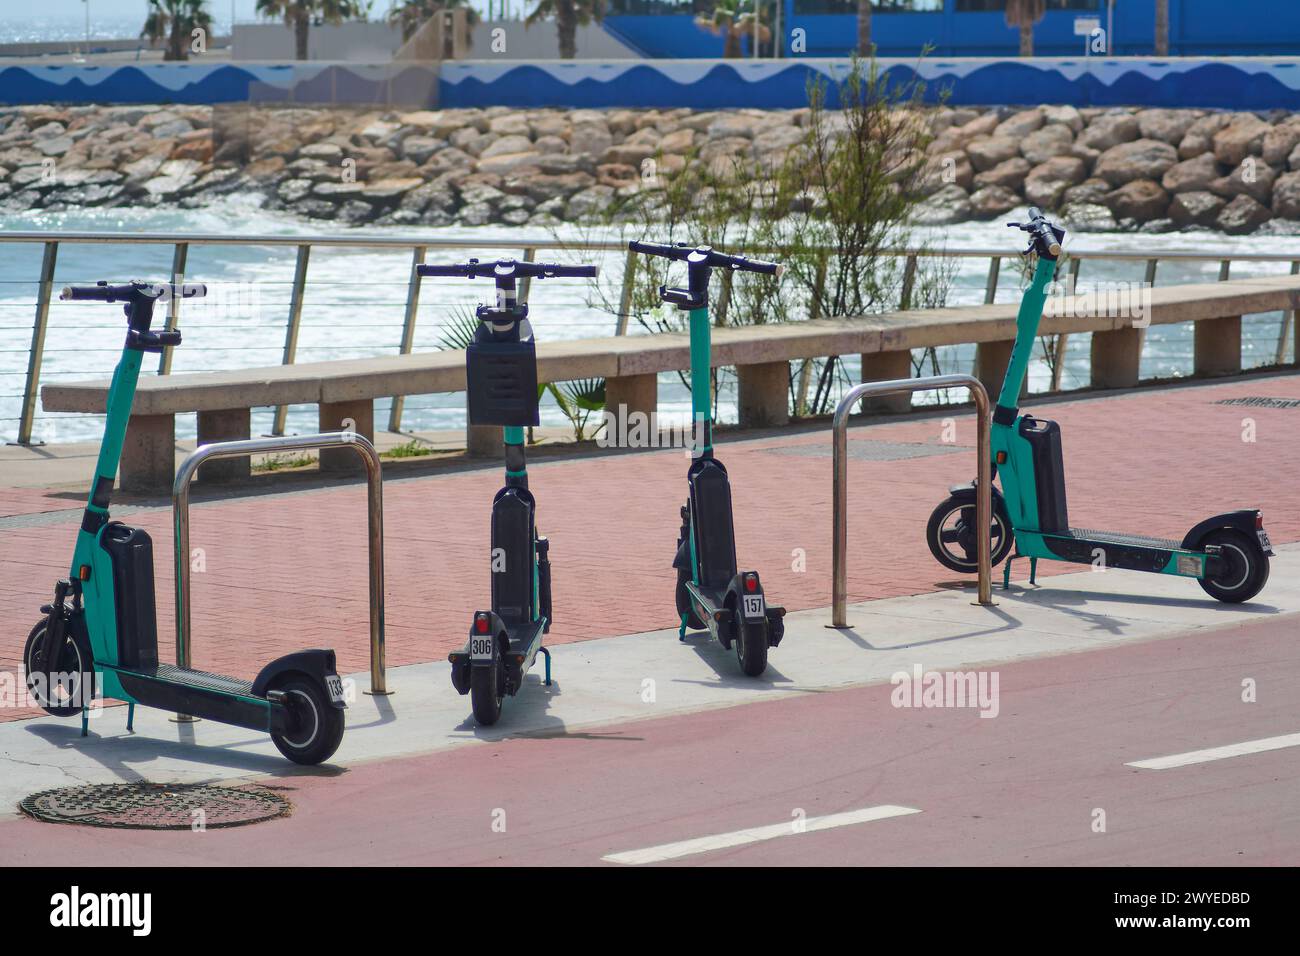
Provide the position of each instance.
(1150, 277)
(179, 257)
(1225, 267)
(408, 332)
(1288, 321)
(34, 358)
(991, 283)
(625, 299)
(909, 282)
(291, 330)
(1063, 338)
(526, 283)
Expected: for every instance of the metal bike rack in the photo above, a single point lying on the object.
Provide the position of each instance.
(984, 483)
(256, 446)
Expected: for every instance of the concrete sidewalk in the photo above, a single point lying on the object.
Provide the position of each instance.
(603, 683)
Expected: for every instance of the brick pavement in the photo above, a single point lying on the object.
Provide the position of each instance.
(289, 571)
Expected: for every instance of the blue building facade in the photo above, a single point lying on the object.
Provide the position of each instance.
(902, 28)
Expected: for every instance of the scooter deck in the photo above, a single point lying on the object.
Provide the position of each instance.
(1129, 552)
(200, 694)
(1124, 540)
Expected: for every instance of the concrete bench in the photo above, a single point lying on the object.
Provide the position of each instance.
(345, 390)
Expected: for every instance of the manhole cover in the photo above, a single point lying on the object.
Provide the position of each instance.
(154, 806)
(1260, 401)
(870, 450)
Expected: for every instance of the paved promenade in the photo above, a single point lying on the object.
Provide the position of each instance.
(1117, 692)
(288, 570)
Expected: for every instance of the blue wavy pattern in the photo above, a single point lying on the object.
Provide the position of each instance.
(1258, 85)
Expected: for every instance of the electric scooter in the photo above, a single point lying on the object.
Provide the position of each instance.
(1227, 554)
(711, 593)
(102, 622)
(501, 383)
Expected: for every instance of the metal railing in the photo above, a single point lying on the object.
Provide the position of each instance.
(839, 500)
(528, 247)
(256, 446)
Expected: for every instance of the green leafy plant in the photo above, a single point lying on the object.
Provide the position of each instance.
(411, 449)
(577, 400)
(284, 462)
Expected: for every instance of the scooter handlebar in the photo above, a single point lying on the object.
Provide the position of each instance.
(103, 292)
(711, 257)
(1045, 237)
(508, 269)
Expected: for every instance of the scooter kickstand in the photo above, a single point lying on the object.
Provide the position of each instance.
(1033, 570)
(1006, 573)
(547, 654)
(85, 721)
(681, 631)
(130, 717)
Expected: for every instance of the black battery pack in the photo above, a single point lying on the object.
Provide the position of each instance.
(1044, 439)
(131, 551)
(501, 378)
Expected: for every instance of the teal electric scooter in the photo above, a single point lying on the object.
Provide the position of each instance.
(102, 623)
(501, 385)
(711, 593)
(1227, 554)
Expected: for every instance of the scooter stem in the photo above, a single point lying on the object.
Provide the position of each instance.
(1031, 313)
(701, 377)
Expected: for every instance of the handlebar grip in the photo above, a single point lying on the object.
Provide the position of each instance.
(667, 250)
(757, 265)
(576, 272)
(95, 293)
(453, 271)
(190, 290)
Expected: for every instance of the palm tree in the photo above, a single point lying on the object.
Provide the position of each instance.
(1024, 14)
(175, 21)
(410, 15)
(299, 15)
(568, 15)
(864, 28)
(733, 20)
(1162, 27)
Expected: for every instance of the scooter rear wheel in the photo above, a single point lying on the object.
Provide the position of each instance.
(485, 693)
(318, 729)
(1245, 567)
(750, 641)
(74, 668)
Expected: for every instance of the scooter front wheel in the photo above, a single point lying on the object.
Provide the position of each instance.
(1244, 569)
(950, 533)
(750, 642)
(63, 686)
(317, 724)
(485, 693)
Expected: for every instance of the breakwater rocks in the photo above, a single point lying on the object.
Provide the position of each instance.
(1150, 169)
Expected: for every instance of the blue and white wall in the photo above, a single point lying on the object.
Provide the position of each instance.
(1246, 83)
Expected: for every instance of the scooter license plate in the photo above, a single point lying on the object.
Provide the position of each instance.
(482, 648)
(334, 685)
(1263, 540)
(754, 607)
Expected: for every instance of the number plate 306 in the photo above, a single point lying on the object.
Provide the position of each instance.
(482, 648)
